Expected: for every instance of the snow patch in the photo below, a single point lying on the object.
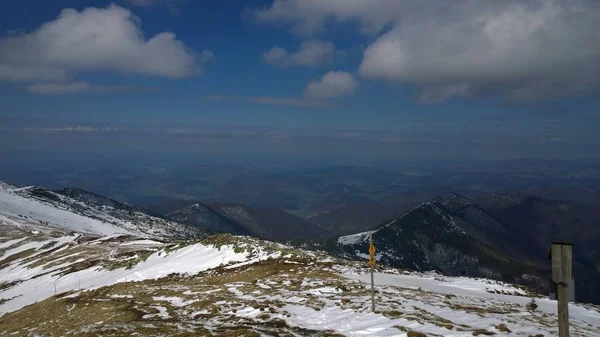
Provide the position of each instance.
(142, 242)
(188, 260)
(175, 301)
(162, 313)
(354, 238)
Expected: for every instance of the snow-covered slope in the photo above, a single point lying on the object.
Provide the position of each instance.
(481, 304)
(56, 283)
(59, 264)
(55, 209)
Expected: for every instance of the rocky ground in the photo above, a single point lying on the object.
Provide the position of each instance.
(57, 283)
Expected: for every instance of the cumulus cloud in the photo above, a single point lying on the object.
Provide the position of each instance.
(318, 92)
(275, 55)
(309, 17)
(171, 4)
(311, 53)
(94, 39)
(521, 50)
(28, 73)
(431, 95)
(331, 85)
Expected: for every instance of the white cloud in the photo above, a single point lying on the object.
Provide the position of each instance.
(28, 73)
(308, 17)
(82, 87)
(442, 93)
(331, 85)
(94, 39)
(522, 50)
(311, 53)
(71, 129)
(78, 128)
(59, 88)
(275, 55)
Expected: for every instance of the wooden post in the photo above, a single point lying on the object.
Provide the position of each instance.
(563, 310)
(372, 264)
(562, 256)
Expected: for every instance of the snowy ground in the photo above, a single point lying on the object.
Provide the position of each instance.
(354, 238)
(236, 286)
(483, 304)
(15, 205)
(59, 211)
(57, 266)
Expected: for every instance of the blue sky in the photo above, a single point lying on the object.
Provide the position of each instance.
(470, 79)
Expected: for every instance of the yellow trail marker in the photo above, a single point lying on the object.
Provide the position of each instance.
(372, 255)
(372, 264)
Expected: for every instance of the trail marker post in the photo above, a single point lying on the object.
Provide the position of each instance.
(561, 255)
(372, 264)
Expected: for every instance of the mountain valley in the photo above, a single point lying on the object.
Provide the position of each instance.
(449, 265)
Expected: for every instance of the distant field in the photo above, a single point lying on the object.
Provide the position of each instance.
(301, 214)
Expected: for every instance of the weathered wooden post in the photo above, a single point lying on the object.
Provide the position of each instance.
(372, 264)
(562, 256)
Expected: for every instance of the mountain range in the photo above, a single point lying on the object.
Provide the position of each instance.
(86, 212)
(494, 235)
(501, 236)
(268, 223)
(54, 282)
(352, 216)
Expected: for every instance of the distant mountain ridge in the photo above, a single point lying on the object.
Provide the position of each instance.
(494, 235)
(86, 212)
(582, 195)
(269, 223)
(96, 199)
(497, 235)
(203, 216)
(430, 237)
(354, 215)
